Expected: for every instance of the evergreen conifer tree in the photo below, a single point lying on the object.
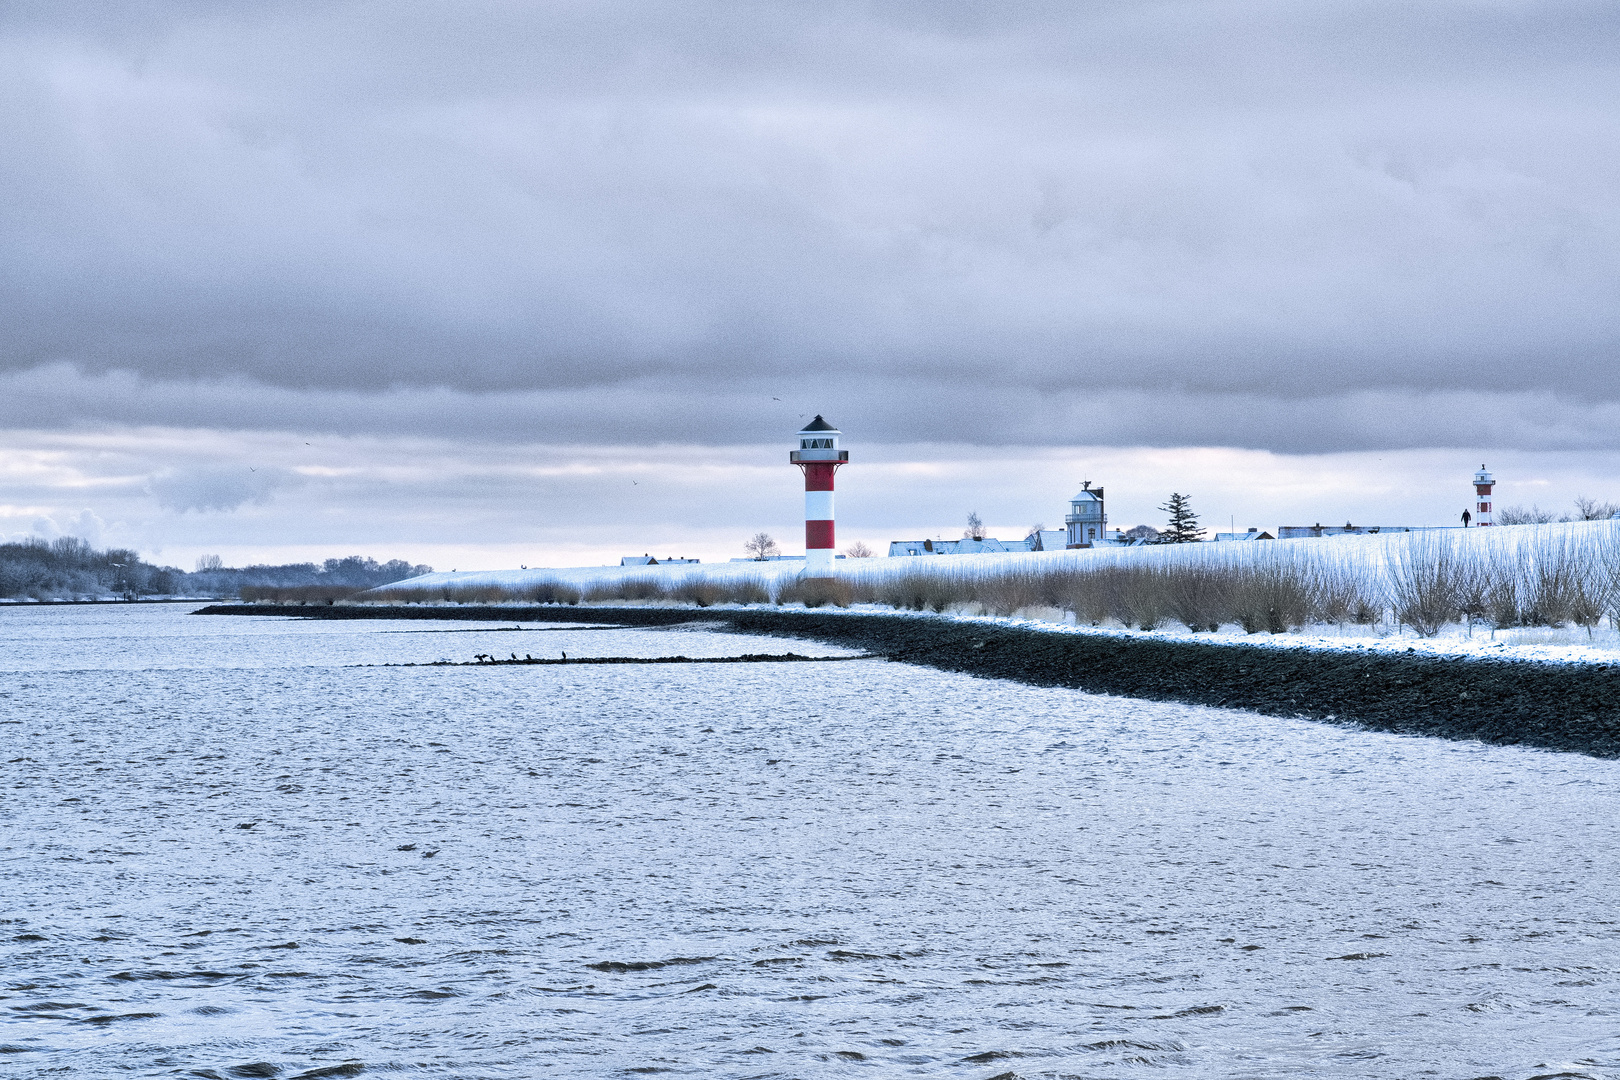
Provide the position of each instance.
(1183, 523)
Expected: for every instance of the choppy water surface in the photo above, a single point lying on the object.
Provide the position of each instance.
(229, 854)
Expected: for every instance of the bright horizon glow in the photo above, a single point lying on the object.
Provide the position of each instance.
(169, 494)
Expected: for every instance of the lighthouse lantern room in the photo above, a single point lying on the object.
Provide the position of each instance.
(1483, 481)
(818, 456)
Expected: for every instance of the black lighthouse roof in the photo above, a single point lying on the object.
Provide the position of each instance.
(818, 424)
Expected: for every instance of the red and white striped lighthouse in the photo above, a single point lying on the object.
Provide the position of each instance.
(819, 456)
(1483, 481)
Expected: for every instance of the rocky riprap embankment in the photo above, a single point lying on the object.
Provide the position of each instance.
(1571, 707)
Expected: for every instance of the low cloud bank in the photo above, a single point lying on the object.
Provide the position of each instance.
(220, 488)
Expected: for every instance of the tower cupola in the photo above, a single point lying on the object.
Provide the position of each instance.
(1086, 521)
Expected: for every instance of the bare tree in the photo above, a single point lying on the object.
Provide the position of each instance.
(1592, 510)
(1142, 532)
(858, 550)
(209, 562)
(1518, 515)
(975, 529)
(761, 546)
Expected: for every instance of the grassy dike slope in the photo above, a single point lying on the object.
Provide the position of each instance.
(1568, 707)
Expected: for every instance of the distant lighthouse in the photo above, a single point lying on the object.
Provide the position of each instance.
(819, 456)
(1483, 481)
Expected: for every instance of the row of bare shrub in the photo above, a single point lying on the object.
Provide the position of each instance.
(700, 591)
(1426, 583)
(1271, 595)
(544, 592)
(297, 594)
(1565, 579)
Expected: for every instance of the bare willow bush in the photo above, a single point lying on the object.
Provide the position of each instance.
(1136, 595)
(1499, 603)
(1079, 595)
(747, 591)
(700, 592)
(1200, 597)
(1569, 582)
(704, 592)
(1606, 555)
(1427, 583)
(631, 588)
(1340, 594)
(920, 590)
(1005, 594)
(817, 592)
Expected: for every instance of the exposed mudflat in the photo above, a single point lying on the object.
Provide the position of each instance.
(1570, 707)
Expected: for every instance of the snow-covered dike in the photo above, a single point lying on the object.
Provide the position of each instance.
(1371, 553)
(1515, 566)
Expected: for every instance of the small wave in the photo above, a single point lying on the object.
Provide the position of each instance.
(102, 1021)
(1126, 1044)
(991, 1055)
(619, 967)
(842, 954)
(1197, 1010)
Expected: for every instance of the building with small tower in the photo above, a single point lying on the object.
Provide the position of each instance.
(818, 457)
(1086, 522)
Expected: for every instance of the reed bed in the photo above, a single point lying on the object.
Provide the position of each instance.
(298, 594)
(1521, 576)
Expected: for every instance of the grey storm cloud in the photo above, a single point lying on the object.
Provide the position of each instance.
(1332, 224)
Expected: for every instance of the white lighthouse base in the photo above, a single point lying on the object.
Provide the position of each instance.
(818, 562)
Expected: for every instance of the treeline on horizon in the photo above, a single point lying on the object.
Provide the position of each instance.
(69, 568)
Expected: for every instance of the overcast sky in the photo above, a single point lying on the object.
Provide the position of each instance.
(316, 276)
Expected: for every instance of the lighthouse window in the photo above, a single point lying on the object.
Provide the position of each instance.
(815, 444)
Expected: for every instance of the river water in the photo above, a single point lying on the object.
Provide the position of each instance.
(231, 851)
